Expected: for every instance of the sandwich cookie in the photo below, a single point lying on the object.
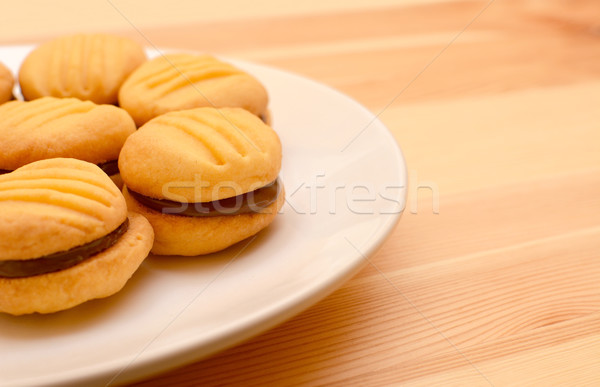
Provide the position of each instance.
(51, 127)
(7, 81)
(185, 81)
(85, 66)
(65, 237)
(205, 178)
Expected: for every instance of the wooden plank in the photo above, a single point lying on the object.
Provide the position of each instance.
(443, 308)
(491, 277)
(493, 55)
(471, 143)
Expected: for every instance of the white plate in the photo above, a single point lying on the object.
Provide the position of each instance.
(345, 179)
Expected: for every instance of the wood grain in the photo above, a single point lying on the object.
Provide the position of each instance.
(492, 275)
(499, 123)
(507, 48)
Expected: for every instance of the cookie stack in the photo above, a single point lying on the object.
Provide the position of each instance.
(110, 156)
(210, 180)
(66, 236)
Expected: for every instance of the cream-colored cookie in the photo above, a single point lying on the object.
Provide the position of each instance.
(85, 66)
(199, 159)
(7, 81)
(201, 155)
(51, 127)
(53, 214)
(185, 81)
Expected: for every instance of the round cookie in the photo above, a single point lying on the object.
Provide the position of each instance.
(184, 81)
(85, 66)
(166, 157)
(65, 237)
(51, 127)
(182, 163)
(7, 82)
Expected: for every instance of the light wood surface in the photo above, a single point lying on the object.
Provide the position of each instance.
(492, 277)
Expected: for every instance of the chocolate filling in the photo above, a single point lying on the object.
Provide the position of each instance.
(254, 201)
(109, 167)
(61, 260)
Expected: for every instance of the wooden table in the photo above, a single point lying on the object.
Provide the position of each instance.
(492, 277)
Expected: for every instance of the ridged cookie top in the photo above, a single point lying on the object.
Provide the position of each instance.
(86, 66)
(54, 205)
(185, 81)
(61, 127)
(7, 82)
(200, 155)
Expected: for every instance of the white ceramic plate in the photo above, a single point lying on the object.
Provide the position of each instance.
(345, 180)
